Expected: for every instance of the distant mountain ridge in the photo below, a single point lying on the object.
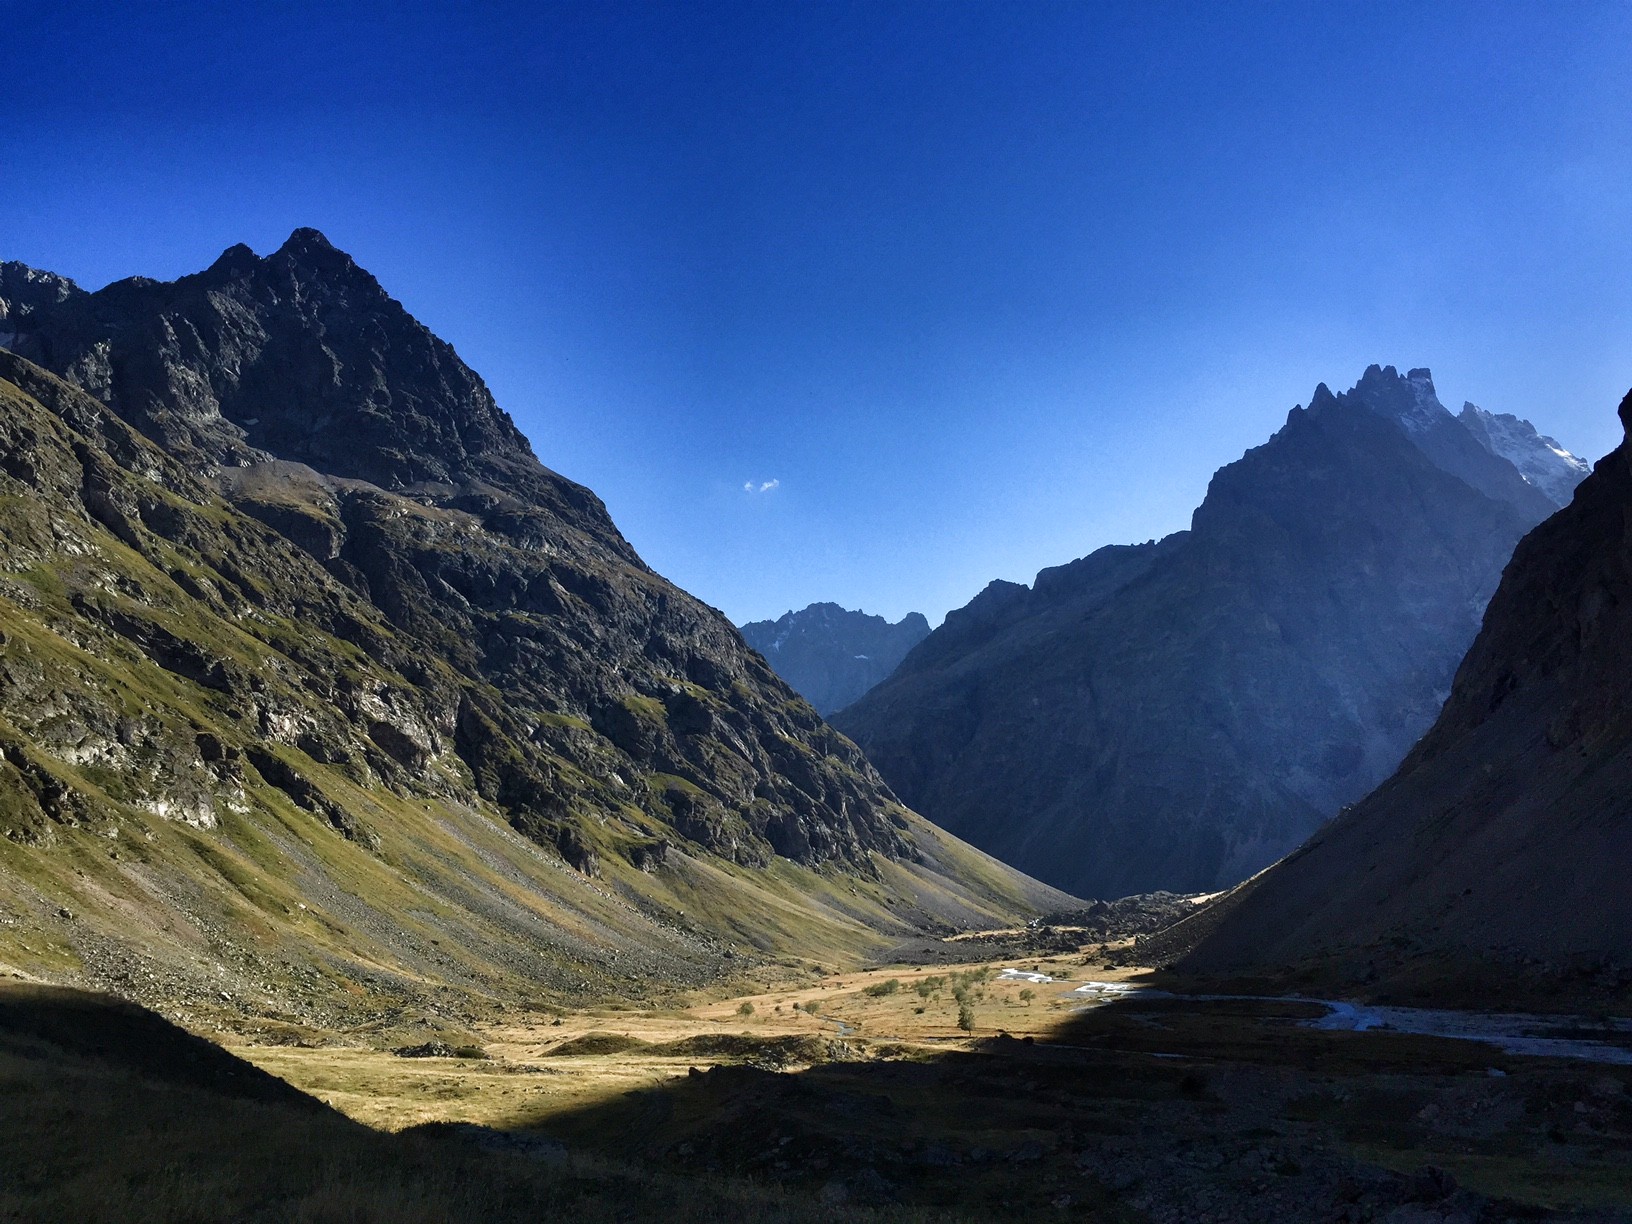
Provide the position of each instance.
(830, 655)
(1177, 715)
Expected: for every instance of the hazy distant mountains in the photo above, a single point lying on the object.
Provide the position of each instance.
(1498, 853)
(1182, 713)
(832, 656)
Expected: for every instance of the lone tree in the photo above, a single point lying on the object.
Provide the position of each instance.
(966, 1016)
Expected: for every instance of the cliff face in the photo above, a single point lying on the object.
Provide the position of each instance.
(1497, 853)
(273, 555)
(832, 656)
(1179, 714)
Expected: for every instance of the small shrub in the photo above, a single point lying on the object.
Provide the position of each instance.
(966, 1017)
(1027, 995)
(746, 1008)
(879, 990)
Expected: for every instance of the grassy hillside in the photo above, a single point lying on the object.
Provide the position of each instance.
(232, 788)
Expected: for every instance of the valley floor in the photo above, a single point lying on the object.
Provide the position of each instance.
(1076, 1091)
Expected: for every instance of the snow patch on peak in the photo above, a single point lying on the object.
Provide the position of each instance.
(1540, 460)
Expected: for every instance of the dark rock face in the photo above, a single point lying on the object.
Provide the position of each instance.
(832, 656)
(1499, 849)
(24, 291)
(585, 693)
(1177, 715)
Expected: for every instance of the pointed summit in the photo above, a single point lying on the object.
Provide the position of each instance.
(305, 238)
(308, 248)
(302, 355)
(236, 260)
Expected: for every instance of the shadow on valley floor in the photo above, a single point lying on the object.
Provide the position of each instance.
(1159, 1109)
(110, 1113)
(1145, 1109)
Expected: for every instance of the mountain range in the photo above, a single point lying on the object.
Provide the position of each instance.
(1179, 714)
(832, 656)
(323, 695)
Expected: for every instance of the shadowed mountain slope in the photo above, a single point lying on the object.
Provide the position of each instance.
(1177, 715)
(832, 656)
(420, 725)
(1498, 851)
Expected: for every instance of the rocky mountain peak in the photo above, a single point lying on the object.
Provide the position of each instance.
(832, 655)
(237, 260)
(303, 239)
(1411, 403)
(1410, 400)
(25, 290)
(1322, 396)
(309, 249)
(1542, 462)
(302, 356)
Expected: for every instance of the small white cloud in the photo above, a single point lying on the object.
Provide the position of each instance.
(764, 486)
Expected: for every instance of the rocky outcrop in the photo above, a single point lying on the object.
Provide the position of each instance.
(1497, 852)
(832, 656)
(1177, 715)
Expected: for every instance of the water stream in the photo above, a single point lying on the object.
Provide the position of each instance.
(1578, 1037)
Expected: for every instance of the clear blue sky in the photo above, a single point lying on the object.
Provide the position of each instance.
(979, 286)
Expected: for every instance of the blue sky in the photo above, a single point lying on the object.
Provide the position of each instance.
(975, 287)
